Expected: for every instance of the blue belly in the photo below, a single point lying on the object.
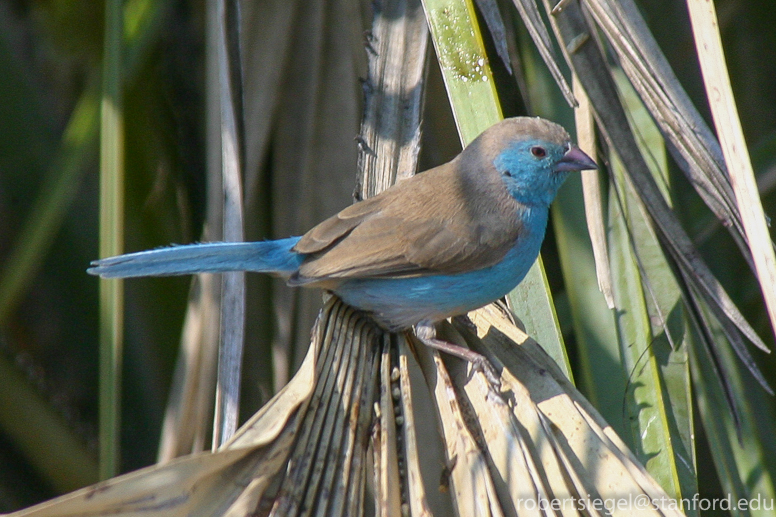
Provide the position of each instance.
(400, 303)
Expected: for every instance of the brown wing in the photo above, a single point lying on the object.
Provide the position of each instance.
(329, 232)
(424, 225)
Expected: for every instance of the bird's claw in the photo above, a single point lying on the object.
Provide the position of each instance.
(481, 364)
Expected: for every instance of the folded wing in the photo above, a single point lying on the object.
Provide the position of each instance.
(425, 225)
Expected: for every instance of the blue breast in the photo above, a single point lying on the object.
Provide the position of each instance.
(399, 303)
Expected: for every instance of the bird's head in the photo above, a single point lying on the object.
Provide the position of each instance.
(532, 157)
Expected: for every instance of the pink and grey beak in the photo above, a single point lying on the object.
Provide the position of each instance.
(575, 160)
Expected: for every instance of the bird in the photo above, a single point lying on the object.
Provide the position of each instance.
(437, 245)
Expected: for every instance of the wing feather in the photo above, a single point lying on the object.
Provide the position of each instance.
(408, 231)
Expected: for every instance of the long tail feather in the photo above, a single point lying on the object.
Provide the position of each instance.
(273, 257)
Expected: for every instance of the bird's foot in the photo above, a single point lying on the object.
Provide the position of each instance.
(466, 322)
(426, 333)
(481, 364)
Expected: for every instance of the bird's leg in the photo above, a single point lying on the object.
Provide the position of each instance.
(426, 333)
(463, 319)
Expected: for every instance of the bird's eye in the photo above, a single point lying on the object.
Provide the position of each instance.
(538, 152)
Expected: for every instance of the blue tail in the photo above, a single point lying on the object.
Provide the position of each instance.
(273, 257)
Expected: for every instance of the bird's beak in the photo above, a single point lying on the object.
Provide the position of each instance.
(575, 160)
